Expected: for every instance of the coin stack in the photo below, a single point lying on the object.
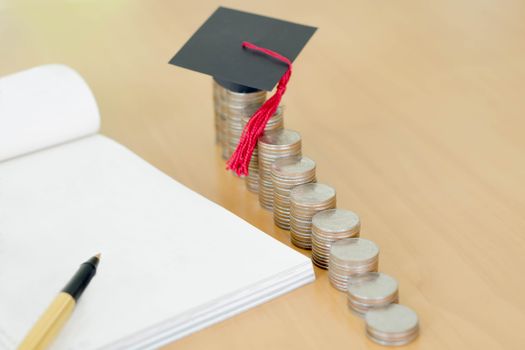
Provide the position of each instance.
(286, 174)
(349, 257)
(371, 290)
(305, 201)
(393, 325)
(273, 145)
(236, 106)
(218, 93)
(329, 226)
(276, 122)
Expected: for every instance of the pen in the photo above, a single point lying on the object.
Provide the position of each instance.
(58, 312)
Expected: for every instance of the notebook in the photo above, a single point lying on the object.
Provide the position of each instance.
(172, 263)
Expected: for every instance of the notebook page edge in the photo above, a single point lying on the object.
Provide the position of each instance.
(42, 107)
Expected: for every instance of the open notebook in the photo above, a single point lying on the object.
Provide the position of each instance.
(173, 262)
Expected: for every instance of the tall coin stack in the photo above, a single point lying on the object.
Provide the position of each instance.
(276, 122)
(286, 174)
(305, 201)
(329, 226)
(371, 290)
(350, 257)
(220, 119)
(272, 146)
(236, 106)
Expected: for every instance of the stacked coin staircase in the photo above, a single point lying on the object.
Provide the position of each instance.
(286, 184)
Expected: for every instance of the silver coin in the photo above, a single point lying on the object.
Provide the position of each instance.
(284, 138)
(292, 167)
(372, 288)
(350, 269)
(394, 324)
(336, 220)
(354, 250)
(311, 194)
(360, 309)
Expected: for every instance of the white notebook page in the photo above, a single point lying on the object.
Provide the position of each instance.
(165, 249)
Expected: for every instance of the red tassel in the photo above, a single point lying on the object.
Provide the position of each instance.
(240, 159)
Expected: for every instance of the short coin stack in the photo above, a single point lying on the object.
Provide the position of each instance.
(349, 257)
(238, 105)
(272, 146)
(371, 290)
(392, 325)
(305, 201)
(329, 226)
(286, 174)
(276, 122)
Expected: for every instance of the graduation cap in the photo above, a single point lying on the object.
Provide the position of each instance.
(245, 52)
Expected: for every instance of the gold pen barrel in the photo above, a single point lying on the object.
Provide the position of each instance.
(52, 320)
(49, 324)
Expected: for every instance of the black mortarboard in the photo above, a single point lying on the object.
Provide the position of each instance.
(216, 49)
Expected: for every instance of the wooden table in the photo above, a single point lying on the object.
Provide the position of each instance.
(414, 112)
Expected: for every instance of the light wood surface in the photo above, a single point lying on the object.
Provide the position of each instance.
(414, 111)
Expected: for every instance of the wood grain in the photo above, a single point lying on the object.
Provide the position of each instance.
(413, 110)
